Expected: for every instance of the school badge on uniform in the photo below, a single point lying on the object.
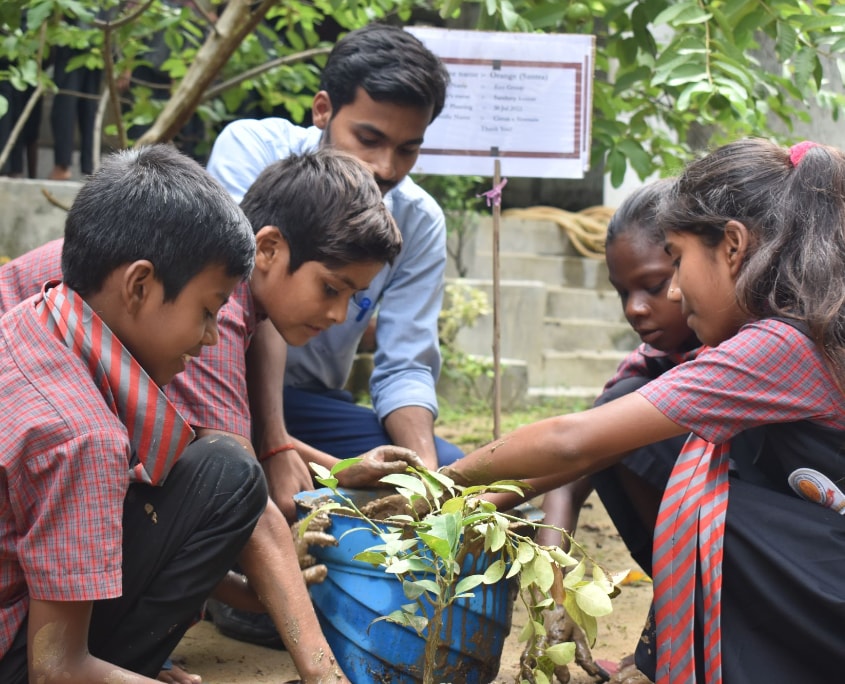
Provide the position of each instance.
(813, 486)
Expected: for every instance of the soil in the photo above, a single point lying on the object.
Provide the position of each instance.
(221, 660)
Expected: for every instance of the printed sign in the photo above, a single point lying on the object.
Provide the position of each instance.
(522, 98)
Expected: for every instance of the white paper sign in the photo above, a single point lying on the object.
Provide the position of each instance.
(523, 98)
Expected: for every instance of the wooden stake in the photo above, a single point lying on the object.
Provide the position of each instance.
(497, 378)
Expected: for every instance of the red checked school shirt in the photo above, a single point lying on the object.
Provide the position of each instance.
(63, 475)
(647, 362)
(212, 392)
(768, 372)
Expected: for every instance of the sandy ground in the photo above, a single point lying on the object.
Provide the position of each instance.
(221, 660)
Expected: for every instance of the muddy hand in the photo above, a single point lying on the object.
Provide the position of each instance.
(395, 504)
(315, 535)
(377, 463)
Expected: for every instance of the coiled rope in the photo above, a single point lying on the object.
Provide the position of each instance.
(586, 229)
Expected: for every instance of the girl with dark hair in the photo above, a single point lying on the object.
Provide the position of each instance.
(747, 551)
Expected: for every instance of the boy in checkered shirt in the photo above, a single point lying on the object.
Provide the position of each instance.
(109, 540)
(314, 250)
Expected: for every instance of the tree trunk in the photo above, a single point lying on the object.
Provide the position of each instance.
(237, 21)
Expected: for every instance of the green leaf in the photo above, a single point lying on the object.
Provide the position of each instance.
(524, 552)
(675, 12)
(561, 557)
(592, 600)
(320, 471)
(510, 17)
(586, 622)
(439, 546)
(429, 586)
(752, 22)
(686, 73)
(450, 9)
(540, 677)
(494, 572)
(453, 505)
(406, 481)
(447, 526)
(496, 538)
(576, 575)
(601, 580)
(628, 79)
(436, 482)
(469, 583)
(342, 465)
(371, 557)
(637, 156)
(544, 575)
(417, 622)
(817, 23)
(617, 165)
(412, 590)
(561, 654)
(527, 632)
(787, 39)
(527, 576)
(512, 486)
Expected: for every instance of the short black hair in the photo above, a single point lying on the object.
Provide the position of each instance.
(157, 204)
(327, 206)
(639, 210)
(390, 64)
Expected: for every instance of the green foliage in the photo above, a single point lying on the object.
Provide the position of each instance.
(425, 545)
(668, 70)
(462, 306)
(670, 74)
(167, 36)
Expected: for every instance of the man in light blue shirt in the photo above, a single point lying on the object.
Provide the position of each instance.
(380, 90)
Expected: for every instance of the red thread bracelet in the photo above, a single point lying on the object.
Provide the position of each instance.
(285, 447)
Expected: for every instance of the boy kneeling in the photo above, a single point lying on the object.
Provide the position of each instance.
(114, 525)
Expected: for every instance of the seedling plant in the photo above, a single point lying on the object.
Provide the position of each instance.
(425, 532)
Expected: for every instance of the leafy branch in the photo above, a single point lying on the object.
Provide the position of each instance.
(431, 527)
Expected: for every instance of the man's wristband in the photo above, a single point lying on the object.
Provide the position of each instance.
(278, 450)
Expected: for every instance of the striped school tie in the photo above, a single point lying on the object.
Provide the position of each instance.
(689, 537)
(157, 433)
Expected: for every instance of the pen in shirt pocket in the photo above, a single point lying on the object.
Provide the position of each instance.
(364, 306)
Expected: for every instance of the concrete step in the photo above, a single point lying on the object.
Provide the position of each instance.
(568, 334)
(540, 237)
(520, 235)
(578, 398)
(578, 302)
(577, 368)
(521, 307)
(565, 271)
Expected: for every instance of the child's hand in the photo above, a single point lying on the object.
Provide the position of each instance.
(377, 463)
(316, 534)
(560, 629)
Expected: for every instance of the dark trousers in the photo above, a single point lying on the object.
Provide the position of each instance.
(28, 139)
(71, 110)
(334, 423)
(178, 543)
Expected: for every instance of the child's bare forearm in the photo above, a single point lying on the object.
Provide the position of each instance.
(270, 562)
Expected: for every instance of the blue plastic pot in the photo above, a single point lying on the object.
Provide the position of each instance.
(355, 593)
